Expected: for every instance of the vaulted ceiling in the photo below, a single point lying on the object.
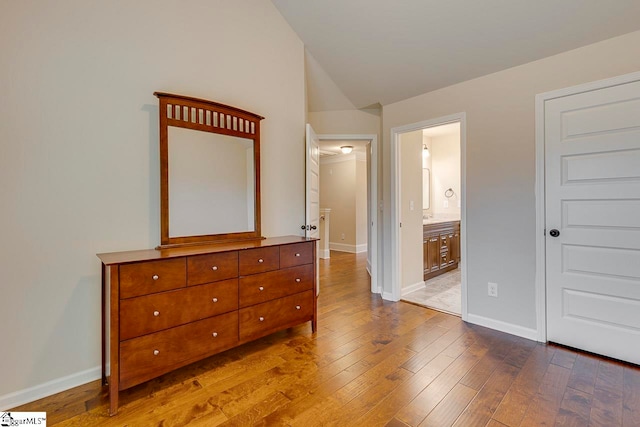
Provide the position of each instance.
(382, 51)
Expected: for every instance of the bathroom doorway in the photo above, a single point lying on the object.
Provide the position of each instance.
(430, 214)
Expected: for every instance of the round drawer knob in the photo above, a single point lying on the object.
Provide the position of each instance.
(261, 288)
(215, 300)
(155, 277)
(214, 268)
(156, 352)
(215, 334)
(297, 254)
(261, 319)
(260, 260)
(298, 280)
(156, 313)
(298, 307)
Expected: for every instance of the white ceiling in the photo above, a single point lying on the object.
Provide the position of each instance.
(442, 130)
(332, 147)
(382, 51)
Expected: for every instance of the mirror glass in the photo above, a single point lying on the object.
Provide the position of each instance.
(426, 188)
(211, 183)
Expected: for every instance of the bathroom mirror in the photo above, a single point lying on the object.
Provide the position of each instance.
(209, 172)
(426, 188)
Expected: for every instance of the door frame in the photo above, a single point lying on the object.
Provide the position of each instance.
(540, 193)
(396, 256)
(372, 202)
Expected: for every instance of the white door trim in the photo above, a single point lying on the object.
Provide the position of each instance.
(372, 244)
(395, 203)
(540, 280)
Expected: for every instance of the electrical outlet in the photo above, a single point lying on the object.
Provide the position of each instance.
(411, 205)
(492, 290)
(445, 204)
(342, 236)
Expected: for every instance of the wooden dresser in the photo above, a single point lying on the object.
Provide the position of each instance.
(166, 308)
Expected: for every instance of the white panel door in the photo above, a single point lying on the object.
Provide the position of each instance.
(592, 179)
(312, 194)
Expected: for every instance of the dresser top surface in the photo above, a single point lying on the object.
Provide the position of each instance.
(158, 254)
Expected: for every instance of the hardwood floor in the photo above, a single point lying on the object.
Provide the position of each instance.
(372, 363)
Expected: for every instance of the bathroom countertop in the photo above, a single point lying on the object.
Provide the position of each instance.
(439, 220)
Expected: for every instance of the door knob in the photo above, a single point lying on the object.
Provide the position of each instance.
(554, 233)
(313, 227)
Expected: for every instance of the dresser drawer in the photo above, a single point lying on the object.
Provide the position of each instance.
(151, 355)
(211, 267)
(296, 254)
(262, 319)
(259, 260)
(151, 313)
(263, 287)
(144, 278)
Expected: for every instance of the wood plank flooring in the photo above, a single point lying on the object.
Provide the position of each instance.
(372, 363)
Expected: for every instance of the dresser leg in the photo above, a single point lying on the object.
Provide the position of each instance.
(113, 401)
(104, 327)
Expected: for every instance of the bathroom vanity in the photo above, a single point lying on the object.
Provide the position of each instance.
(441, 246)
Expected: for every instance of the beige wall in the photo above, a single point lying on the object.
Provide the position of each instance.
(343, 189)
(79, 150)
(337, 192)
(500, 170)
(346, 122)
(361, 203)
(411, 208)
(445, 174)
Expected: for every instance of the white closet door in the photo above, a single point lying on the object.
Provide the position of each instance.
(592, 178)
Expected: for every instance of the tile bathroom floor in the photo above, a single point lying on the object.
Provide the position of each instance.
(440, 293)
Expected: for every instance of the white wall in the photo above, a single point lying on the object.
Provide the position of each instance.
(501, 169)
(79, 167)
(445, 174)
(411, 209)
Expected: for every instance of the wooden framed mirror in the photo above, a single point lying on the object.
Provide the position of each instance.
(209, 172)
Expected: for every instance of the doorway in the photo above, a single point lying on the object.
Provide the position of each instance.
(367, 146)
(431, 157)
(402, 259)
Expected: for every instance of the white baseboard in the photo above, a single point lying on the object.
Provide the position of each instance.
(39, 391)
(342, 247)
(352, 249)
(324, 253)
(388, 296)
(411, 288)
(498, 325)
